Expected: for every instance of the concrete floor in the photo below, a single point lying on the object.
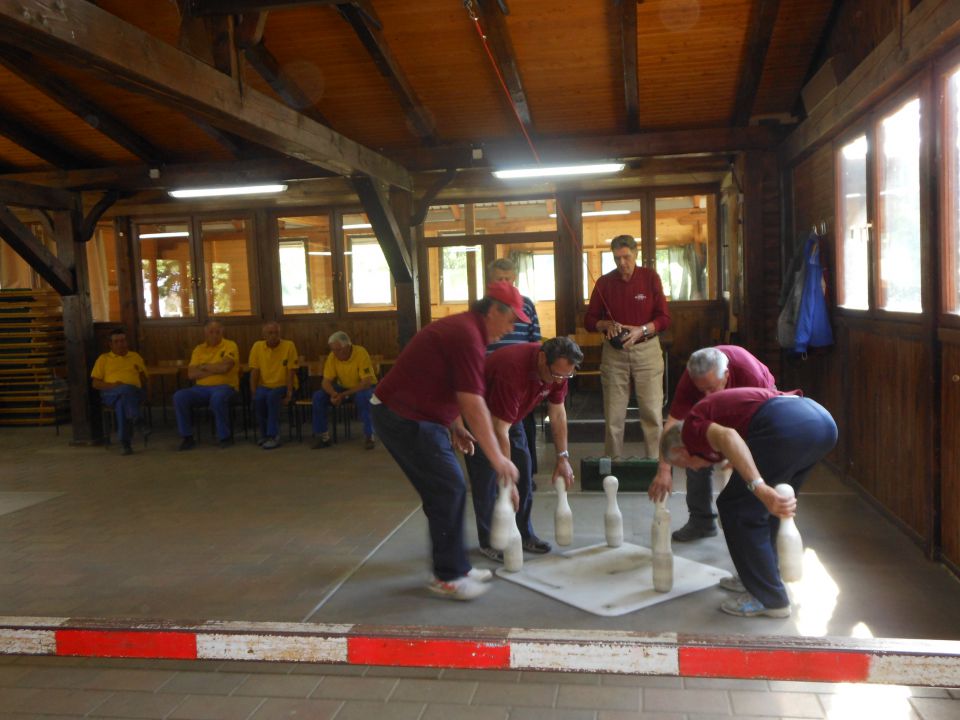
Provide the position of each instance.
(337, 536)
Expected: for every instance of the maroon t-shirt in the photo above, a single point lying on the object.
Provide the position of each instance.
(444, 358)
(744, 370)
(731, 408)
(636, 301)
(514, 387)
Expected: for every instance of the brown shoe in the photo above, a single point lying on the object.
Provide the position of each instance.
(370, 443)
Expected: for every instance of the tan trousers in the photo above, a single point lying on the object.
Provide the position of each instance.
(644, 363)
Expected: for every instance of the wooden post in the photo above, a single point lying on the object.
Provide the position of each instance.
(751, 318)
(127, 279)
(408, 295)
(567, 261)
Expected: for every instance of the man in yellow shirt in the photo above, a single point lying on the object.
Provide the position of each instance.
(273, 368)
(215, 368)
(121, 377)
(348, 372)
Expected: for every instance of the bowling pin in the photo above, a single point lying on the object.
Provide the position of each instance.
(513, 553)
(563, 516)
(612, 518)
(662, 550)
(504, 518)
(789, 543)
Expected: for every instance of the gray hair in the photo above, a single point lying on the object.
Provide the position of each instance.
(339, 338)
(502, 264)
(707, 360)
(670, 441)
(623, 241)
(562, 348)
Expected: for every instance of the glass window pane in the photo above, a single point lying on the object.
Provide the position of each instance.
(854, 231)
(535, 279)
(516, 216)
(226, 276)
(166, 271)
(899, 209)
(454, 273)
(951, 254)
(445, 221)
(370, 284)
(685, 246)
(306, 265)
(602, 221)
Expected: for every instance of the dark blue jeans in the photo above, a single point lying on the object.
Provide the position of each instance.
(425, 454)
(216, 396)
(483, 483)
(321, 404)
(266, 404)
(700, 498)
(787, 437)
(125, 401)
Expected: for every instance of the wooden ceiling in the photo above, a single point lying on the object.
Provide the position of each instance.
(409, 80)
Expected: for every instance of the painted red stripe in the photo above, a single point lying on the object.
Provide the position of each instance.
(124, 643)
(427, 653)
(815, 665)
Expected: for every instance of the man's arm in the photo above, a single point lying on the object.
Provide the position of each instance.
(662, 484)
(501, 428)
(558, 429)
(477, 416)
(195, 372)
(254, 380)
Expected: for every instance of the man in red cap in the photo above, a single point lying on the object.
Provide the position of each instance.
(419, 410)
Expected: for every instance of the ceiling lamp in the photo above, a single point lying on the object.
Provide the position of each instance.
(225, 191)
(559, 170)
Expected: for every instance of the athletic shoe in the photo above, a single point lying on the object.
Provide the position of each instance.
(689, 533)
(321, 442)
(127, 450)
(732, 583)
(271, 444)
(480, 574)
(747, 605)
(262, 440)
(533, 544)
(491, 554)
(187, 443)
(463, 588)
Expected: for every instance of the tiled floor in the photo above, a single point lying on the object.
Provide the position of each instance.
(336, 536)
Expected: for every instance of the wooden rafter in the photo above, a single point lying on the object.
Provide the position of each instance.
(423, 203)
(236, 7)
(23, 194)
(628, 49)
(44, 262)
(122, 54)
(89, 224)
(266, 65)
(27, 68)
(41, 146)
(763, 17)
(420, 121)
(375, 198)
(491, 16)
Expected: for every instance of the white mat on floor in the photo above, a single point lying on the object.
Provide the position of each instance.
(609, 581)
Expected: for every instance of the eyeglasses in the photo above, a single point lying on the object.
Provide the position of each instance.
(563, 377)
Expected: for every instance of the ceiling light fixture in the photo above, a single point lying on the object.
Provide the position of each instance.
(597, 213)
(225, 191)
(157, 235)
(559, 170)
(357, 226)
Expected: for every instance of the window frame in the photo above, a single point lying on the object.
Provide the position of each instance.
(865, 128)
(948, 250)
(273, 243)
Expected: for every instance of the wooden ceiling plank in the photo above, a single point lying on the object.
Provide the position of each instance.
(419, 119)
(376, 204)
(77, 31)
(490, 14)
(43, 262)
(763, 18)
(237, 7)
(41, 146)
(27, 68)
(631, 73)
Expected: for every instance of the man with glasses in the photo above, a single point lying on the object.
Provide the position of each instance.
(518, 378)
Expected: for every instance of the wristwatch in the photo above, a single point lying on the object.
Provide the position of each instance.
(754, 484)
(563, 453)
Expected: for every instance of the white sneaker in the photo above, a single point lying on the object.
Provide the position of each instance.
(480, 574)
(463, 588)
(732, 583)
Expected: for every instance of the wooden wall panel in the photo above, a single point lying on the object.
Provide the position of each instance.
(950, 456)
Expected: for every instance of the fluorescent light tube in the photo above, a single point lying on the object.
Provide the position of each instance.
(559, 170)
(357, 226)
(154, 236)
(224, 191)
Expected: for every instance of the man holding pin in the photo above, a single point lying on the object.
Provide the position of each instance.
(769, 437)
(518, 378)
(708, 370)
(419, 410)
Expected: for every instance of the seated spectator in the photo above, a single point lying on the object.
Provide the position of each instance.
(215, 368)
(347, 373)
(121, 378)
(273, 371)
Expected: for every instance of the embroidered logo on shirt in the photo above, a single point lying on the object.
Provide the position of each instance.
(639, 297)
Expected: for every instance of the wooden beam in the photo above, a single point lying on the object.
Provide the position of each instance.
(423, 204)
(44, 262)
(631, 72)
(28, 69)
(491, 17)
(89, 224)
(266, 65)
(237, 7)
(248, 29)
(24, 194)
(375, 198)
(41, 146)
(78, 32)
(419, 120)
(763, 17)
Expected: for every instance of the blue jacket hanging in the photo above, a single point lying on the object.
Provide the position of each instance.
(813, 323)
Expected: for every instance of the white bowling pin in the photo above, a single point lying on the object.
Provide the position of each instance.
(612, 518)
(504, 518)
(789, 543)
(662, 550)
(513, 553)
(563, 516)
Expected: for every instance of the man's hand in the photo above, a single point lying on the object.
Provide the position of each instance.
(662, 484)
(336, 399)
(776, 504)
(462, 439)
(635, 336)
(505, 469)
(612, 329)
(563, 470)
(515, 498)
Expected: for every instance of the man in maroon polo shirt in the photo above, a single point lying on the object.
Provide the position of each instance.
(628, 306)
(769, 437)
(519, 377)
(419, 410)
(709, 370)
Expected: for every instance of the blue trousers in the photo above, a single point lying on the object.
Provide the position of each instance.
(125, 401)
(321, 404)
(787, 437)
(483, 483)
(266, 404)
(700, 498)
(216, 396)
(425, 454)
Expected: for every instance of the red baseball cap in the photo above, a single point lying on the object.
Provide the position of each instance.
(507, 294)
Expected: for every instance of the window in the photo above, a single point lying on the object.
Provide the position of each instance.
(853, 233)
(684, 242)
(951, 197)
(166, 270)
(306, 264)
(603, 220)
(226, 277)
(898, 208)
(445, 221)
(369, 282)
(455, 272)
(535, 279)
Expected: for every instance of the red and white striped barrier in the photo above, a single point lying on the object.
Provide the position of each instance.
(848, 660)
